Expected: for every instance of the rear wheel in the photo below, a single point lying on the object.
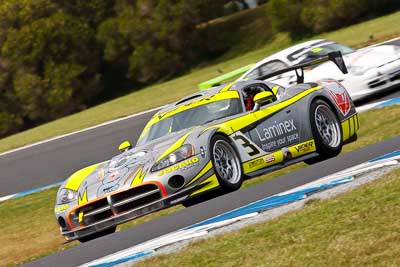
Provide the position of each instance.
(226, 163)
(98, 234)
(327, 131)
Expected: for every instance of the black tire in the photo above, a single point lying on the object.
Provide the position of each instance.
(98, 234)
(327, 131)
(228, 170)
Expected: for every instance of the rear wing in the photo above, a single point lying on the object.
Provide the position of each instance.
(335, 57)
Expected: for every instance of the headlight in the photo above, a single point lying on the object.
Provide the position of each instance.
(182, 153)
(66, 195)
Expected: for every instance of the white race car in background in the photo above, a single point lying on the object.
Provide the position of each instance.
(371, 69)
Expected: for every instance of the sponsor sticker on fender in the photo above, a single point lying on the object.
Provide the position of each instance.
(61, 208)
(256, 163)
(338, 94)
(269, 158)
(305, 147)
(181, 165)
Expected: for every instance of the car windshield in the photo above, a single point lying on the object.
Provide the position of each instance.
(265, 69)
(317, 52)
(198, 115)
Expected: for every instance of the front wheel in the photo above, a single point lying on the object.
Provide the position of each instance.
(327, 131)
(226, 163)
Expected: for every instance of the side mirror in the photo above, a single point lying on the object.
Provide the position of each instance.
(263, 98)
(124, 146)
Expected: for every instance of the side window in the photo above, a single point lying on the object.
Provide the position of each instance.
(276, 65)
(250, 91)
(266, 68)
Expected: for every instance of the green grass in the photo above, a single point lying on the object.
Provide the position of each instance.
(382, 28)
(28, 224)
(358, 228)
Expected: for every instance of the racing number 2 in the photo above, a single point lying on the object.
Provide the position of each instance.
(246, 144)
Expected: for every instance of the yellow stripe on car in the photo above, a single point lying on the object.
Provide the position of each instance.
(345, 130)
(211, 182)
(174, 147)
(208, 99)
(350, 126)
(239, 123)
(275, 89)
(82, 199)
(227, 87)
(302, 148)
(80, 218)
(201, 173)
(138, 177)
(78, 177)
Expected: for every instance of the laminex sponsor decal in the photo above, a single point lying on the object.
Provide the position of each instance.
(338, 94)
(276, 134)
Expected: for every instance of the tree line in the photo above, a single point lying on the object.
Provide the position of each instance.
(61, 56)
(306, 17)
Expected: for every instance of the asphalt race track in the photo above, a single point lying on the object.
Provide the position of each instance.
(54, 161)
(121, 240)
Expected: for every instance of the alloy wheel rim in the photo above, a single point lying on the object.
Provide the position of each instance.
(327, 126)
(226, 162)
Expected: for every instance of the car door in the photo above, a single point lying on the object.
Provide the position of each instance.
(276, 130)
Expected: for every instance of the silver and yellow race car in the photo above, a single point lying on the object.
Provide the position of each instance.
(209, 142)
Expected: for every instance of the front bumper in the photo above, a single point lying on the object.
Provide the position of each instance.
(104, 213)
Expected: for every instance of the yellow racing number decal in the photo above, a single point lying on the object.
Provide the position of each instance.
(252, 149)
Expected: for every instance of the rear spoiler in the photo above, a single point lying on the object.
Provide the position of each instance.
(335, 57)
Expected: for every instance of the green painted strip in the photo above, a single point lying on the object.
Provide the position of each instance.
(220, 79)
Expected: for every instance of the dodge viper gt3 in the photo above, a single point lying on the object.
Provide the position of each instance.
(209, 142)
(372, 69)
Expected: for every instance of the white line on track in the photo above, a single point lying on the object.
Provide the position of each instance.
(79, 131)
